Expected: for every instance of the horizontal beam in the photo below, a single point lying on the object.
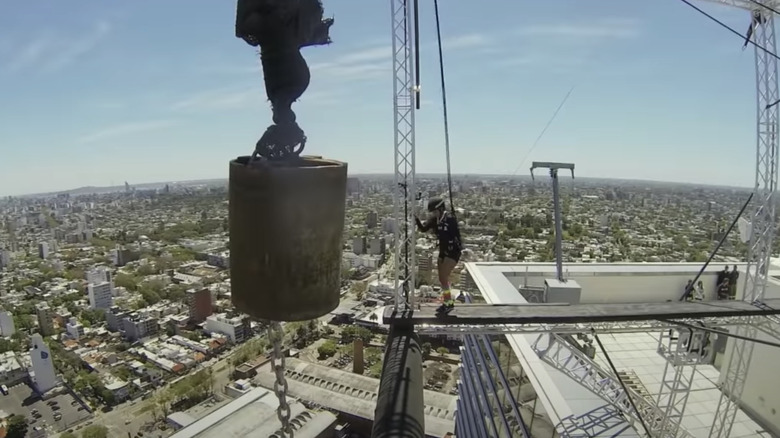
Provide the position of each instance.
(479, 314)
(598, 327)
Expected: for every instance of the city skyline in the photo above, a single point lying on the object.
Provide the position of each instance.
(113, 188)
(130, 92)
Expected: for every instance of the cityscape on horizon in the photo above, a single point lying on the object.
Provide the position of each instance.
(146, 185)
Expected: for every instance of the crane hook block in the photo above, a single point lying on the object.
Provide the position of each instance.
(286, 224)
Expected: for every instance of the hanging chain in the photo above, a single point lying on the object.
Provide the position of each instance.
(276, 335)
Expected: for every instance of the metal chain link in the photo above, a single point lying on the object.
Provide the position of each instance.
(276, 335)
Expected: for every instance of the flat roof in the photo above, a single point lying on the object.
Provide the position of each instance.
(561, 397)
(356, 394)
(254, 414)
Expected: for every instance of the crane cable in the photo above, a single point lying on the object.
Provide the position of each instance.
(444, 105)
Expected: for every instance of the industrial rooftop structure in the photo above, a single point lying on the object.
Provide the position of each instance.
(254, 414)
(569, 397)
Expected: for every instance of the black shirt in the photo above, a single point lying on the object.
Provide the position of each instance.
(733, 277)
(447, 232)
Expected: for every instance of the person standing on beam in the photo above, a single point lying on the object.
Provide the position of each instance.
(450, 247)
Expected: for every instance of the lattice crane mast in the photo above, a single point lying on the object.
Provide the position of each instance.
(762, 33)
(405, 189)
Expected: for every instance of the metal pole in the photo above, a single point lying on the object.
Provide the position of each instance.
(558, 225)
(400, 410)
(556, 208)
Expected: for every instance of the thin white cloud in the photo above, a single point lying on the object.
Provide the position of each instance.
(73, 49)
(224, 99)
(616, 28)
(221, 99)
(322, 98)
(124, 129)
(109, 105)
(28, 55)
(467, 41)
(377, 53)
(376, 61)
(51, 53)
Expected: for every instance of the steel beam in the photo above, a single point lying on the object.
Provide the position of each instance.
(468, 413)
(507, 389)
(561, 313)
(598, 327)
(491, 354)
(400, 409)
(478, 390)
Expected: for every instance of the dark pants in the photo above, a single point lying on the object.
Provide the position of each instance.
(723, 292)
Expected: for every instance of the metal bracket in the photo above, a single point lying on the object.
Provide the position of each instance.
(552, 166)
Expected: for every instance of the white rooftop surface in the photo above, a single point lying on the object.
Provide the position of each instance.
(254, 414)
(637, 352)
(355, 394)
(561, 396)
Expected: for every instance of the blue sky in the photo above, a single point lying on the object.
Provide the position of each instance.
(98, 93)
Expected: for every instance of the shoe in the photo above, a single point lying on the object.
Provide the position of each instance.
(445, 308)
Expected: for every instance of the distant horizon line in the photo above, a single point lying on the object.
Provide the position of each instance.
(356, 175)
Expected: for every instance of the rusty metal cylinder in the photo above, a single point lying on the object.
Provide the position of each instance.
(286, 226)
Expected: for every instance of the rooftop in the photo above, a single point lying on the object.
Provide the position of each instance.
(563, 398)
(254, 414)
(355, 394)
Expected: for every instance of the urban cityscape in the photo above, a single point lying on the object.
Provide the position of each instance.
(117, 318)
(311, 295)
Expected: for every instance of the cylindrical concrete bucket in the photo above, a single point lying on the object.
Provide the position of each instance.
(286, 226)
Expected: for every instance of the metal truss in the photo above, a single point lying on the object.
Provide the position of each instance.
(762, 223)
(604, 421)
(770, 325)
(746, 4)
(602, 327)
(404, 139)
(579, 367)
(683, 349)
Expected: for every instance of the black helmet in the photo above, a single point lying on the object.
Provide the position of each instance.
(435, 204)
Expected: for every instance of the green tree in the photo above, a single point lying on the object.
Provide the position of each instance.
(442, 351)
(95, 431)
(359, 289)
(93, 316)
(327, 349)
(375, 370)
(127, 281)
(349, 334)
(17, 427)
(426, 348)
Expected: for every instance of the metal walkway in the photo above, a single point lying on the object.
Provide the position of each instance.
(481, 314)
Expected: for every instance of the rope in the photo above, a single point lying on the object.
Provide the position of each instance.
(444, 104)
(416, 7)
